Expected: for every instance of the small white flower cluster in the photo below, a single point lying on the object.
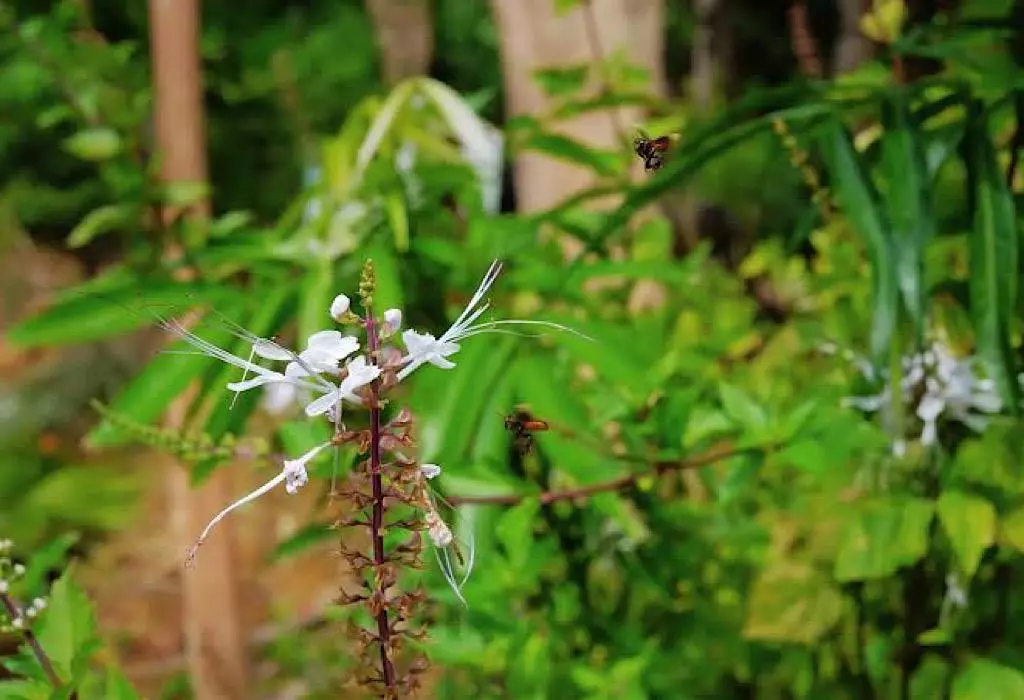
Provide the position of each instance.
(935, 385)
(14, 618)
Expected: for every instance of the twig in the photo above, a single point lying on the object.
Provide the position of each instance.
(15, 613)
(616, 484)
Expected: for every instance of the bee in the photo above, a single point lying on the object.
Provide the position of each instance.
(523, 425)
(653, 151)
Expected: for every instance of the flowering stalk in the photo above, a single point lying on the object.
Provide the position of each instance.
(388, 491)
(20, 619)
(377, 522)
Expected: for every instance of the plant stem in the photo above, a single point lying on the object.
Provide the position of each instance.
(377, 519)
(14, 611)
(616, 484)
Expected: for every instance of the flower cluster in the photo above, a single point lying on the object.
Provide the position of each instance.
(935, 385)
(13, 617)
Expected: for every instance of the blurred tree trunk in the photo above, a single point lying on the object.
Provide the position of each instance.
(213, 636)
(852, 47)
(405, 33)
(533, 36)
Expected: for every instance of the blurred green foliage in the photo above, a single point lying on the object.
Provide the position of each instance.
(839, 556)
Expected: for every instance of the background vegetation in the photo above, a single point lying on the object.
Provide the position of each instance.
(790, 466)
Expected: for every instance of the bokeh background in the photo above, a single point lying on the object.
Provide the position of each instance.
(790, 466)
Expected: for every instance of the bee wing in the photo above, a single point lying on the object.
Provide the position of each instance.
(662, 143)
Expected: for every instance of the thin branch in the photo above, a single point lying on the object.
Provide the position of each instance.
(617, 484)
(15, 613)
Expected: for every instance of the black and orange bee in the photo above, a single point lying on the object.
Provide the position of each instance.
(523, 425)
(653, 151)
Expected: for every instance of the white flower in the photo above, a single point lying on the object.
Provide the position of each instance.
(430, 470)
(392, 322)
(17, 623)
(19, 569)
(39, 603)
(942, 385)
(323, 354)
(3, 585)
(6, 545)
(293, 475)
(339, 307)
(438, 531)
(359, 374)
(424, 348)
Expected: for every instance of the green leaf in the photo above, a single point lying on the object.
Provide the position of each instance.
(97, 144)
(515, 531)
(24, 690)
(68, 627)
(993, 258)
(563, 6)
(909, 202)
(986, 680)
(742, 408)
(929, 680)
(859, 200)
(81, 316)
(571, 151)
(398, 217)
(885, 535)
(185, 193)
(1011, 529)
(792, 602)
(557, 82)
(100, 221)
(970, 523)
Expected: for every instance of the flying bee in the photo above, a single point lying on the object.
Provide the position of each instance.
(653, 151)
(523, 425)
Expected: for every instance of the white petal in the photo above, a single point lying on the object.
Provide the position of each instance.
(270, 350)
(323, 338)
(256, 381)
(930, 408)
(440, 362)
(430, 470)
(417, 343)
(339, 306)
(323, 404)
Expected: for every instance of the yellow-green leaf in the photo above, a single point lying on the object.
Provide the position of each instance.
(885, 535)
(1011, 530)
(94, 145)
(792, 602)
(970, 523)
(986, 680)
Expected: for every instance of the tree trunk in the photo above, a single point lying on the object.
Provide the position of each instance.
(533, 37)
(213, 630)
(852, 48)
(405, 33)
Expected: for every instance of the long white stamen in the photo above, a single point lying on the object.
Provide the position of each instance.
(248, 498)
(245, 374)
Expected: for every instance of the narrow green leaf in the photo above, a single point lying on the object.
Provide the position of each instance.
(909, 203)
(98, 144)
(993, 259)
(859, 201)
(398, 217)
(572, 151)
(101, 221)
(970, 523)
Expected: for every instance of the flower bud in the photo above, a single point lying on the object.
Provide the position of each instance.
(430, 470)
(392, 321)
(339, 307)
